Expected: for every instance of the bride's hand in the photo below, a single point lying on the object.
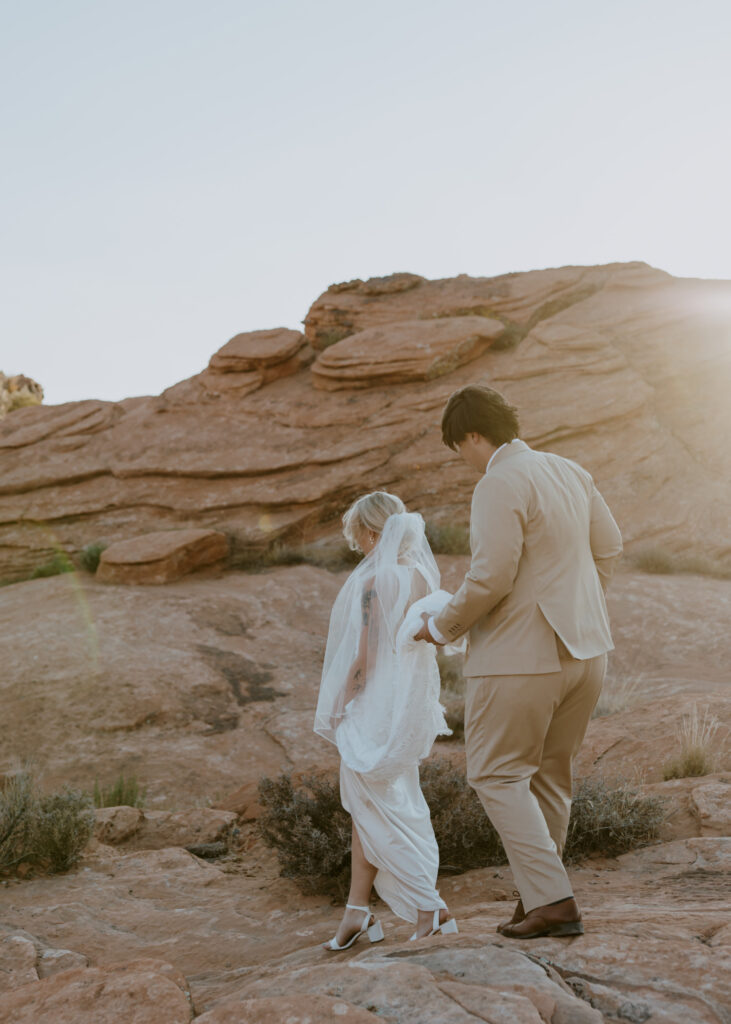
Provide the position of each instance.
(424, 633)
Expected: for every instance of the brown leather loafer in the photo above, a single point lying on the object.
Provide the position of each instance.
(562, 918)
(518, 916)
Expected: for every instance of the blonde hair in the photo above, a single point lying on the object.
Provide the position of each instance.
(370, 512)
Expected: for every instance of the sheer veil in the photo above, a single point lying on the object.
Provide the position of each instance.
(379, 696)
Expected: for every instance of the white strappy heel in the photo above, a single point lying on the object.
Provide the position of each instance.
(373, 931)
(448, 927)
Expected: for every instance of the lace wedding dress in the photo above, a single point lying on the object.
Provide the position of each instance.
(379, 704)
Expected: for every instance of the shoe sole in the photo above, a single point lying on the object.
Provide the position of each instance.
(557, 931)
(507, 924)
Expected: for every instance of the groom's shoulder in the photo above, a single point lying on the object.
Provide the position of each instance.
(530, 464)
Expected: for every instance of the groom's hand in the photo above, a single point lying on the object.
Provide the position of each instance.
(424, 633)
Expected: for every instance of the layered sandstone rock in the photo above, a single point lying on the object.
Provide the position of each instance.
(161, 557)
(143, 991)
(204, 686)
(257, 350)
(656, 945)
(403, 352)
(622, 367)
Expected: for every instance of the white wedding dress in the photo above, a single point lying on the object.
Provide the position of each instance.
(379, 704)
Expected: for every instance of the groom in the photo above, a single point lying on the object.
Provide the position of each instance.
(544, 545)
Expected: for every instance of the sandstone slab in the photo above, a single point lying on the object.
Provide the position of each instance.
(161, 557)
(256, 350)
(135, 993)
(288, 1010)
(403, 352)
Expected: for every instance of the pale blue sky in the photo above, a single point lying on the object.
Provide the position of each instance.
(177, 172)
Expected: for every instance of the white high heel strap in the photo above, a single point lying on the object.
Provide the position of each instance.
(373, 931)
(448, 927)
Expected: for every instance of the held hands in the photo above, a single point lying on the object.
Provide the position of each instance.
(424, 633)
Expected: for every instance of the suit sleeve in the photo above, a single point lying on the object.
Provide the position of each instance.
(498, 525)
(604, 537)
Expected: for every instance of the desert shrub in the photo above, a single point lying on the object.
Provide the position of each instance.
(452, 692)
(448, 538)
(610, 819)
(463, 831)
(18, 800)
(90, 555)
(450, 672)
(310, 831)
(696, 752)
(665, 562)
(63, 825)
(59, 563)
(122, 792)
(49, 831)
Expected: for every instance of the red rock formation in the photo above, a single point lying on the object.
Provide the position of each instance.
(622, 367)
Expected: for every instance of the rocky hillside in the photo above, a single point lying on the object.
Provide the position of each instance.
(201, 686)
(622, 367)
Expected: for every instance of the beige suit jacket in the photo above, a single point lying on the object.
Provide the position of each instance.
(544, 545)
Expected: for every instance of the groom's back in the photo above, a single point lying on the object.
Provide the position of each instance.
(547, 510)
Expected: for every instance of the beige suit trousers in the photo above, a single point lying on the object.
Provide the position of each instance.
(522, 733)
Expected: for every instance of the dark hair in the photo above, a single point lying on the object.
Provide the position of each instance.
(480, 410)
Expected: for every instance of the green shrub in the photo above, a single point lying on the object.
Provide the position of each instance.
(610, 819)
(307, 826)
(90, 555)
(49, 831)
(310, 831)
(63, 826)
(18, 801)
(465, 836)
(59, 563)
(123, 792)
(448, 538)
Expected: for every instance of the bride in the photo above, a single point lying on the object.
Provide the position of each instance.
(379, 704)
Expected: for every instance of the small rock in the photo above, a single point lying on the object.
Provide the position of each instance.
(712, 801)
(161, 557)
(115, 824)
(53, 961)
(256, 350)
